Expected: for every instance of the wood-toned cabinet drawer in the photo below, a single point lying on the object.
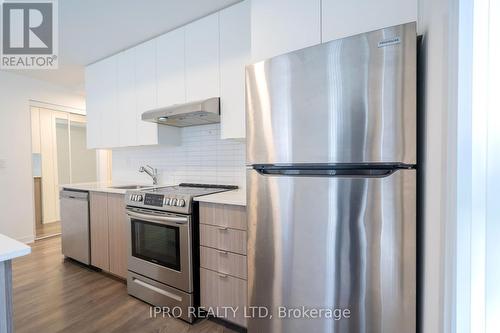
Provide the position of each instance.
(224, 262)
(219, 290)
(223, 238)
(223, 215)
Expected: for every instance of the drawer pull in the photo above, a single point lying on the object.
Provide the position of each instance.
(222, 252)
(222, 228)
(222, 275)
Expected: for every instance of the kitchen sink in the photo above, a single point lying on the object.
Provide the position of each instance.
(131, 187)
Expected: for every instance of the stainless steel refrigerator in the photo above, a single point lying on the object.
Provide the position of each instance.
(331, 186)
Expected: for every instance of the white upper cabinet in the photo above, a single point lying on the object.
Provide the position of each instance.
(202, 58)
(234, 56)
(346, 18)
(101, 104)
(171, 68)
(145, 89)
(110, 135)
(282, 26)
(126, 99)
(93, 97)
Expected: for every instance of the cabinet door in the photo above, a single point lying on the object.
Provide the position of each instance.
(223, 238)
(126, 108)
(93, 101)
(145, 84)
(223, 262)
(219, 290)
(345, 18)
(118, 235)
(231, 216)
(282, 26)
(110, 119)
(99, 232)
(170, 63)
(234, 56)
(202, 58)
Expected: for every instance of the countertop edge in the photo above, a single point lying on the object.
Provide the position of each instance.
(235, 198)
(15, 249)
(100, 187)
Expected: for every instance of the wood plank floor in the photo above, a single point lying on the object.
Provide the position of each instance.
(48, 229)
(56, 295)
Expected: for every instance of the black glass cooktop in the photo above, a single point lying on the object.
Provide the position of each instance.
(192, 189)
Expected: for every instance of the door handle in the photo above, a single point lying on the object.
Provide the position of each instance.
(222, 252)
(223, 276)
(158, 219)
(222, 228)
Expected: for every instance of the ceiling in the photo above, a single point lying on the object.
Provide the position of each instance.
(94, 29)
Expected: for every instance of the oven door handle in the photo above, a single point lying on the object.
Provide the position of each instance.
(158, 219)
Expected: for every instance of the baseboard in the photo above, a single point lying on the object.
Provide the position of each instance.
(26, 239)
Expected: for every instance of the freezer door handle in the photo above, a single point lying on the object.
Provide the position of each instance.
(298, 172)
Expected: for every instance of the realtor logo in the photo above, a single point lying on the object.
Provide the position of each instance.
(29, 34)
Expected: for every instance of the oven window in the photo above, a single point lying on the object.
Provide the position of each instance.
(156, 243)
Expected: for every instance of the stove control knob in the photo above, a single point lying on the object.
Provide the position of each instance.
(131, 197)
(181, 203)
(173, 202)
(139, 197)
(134, 196)
(166, 201)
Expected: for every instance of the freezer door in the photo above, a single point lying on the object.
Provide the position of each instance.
(351, 100)
(332, 243)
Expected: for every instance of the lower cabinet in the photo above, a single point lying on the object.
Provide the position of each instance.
(108, 233)
(223, 260)
(99, 231)
(222, 290)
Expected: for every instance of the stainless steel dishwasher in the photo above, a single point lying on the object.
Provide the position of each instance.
(75, 226)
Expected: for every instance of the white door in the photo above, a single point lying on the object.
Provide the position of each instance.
(93, 103)
(202, 58)
(126, 102)
(171, 66)
(145, 85)
(346, 18)
(282, 26)
(107, 102)
(48, 150)
(234, 56)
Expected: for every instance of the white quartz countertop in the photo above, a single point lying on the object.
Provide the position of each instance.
(10, 248)
(236, 197)
(101, 187)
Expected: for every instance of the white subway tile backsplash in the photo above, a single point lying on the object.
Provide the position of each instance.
(203, 158)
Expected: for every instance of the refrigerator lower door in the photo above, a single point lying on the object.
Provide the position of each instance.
(345, 247)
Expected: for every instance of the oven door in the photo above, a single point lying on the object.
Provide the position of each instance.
(160, 247)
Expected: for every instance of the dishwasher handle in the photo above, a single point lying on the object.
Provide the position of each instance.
(78, 195)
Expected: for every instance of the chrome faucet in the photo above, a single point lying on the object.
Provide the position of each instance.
(152, 172)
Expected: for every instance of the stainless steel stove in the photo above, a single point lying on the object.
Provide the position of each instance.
(178, 199)
(163, 264)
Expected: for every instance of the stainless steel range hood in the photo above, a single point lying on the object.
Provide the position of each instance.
(202, 112)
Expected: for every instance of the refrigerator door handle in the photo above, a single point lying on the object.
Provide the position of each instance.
(365, 173)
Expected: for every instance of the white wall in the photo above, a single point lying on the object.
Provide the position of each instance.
(201, 158)
(16, 182)
(437, 22)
